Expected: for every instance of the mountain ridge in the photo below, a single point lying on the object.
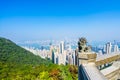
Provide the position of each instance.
(11, 52)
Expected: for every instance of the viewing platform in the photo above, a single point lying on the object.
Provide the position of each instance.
(90, 66)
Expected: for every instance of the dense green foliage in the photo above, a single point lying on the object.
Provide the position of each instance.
(9, 71)
(18, 64)
(10, 52)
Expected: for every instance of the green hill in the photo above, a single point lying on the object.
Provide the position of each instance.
(10, 52)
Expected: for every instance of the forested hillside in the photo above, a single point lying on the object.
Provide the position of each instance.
(10, 52)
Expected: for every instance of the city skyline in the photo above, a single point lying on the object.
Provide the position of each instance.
(34, 20)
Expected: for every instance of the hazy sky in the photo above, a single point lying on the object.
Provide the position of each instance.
(56, 19)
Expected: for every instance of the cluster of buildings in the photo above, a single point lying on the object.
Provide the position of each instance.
(42, 53)
(63, 53)
(107, 48)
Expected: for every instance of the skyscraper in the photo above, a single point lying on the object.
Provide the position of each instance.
(76, 55)
(70, 60)
(108, 47)
(104, 49)
(116, 49)
(53, 57)
(61, 47)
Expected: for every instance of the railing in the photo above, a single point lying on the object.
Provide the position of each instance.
(88, 63)
(107, 58)
(82, 73)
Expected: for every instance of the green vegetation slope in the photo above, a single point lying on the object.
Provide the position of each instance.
(10, 52)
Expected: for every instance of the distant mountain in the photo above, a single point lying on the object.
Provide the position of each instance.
(10, 52)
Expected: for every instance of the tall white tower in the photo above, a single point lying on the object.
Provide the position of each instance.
(61, 47)
(108, 47)
(116, 49)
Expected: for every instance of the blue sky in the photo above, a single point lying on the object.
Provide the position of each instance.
(98, 20)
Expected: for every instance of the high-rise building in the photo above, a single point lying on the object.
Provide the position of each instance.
(53, 57)
(61, 59)
(108, 47)
(100, 52)
(116, 49)
(51, 52)
(104, 49)
(73, 57)
(76, 55)
(61, 47)
(70, 60)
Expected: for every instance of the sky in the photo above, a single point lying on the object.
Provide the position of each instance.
(97, 20)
